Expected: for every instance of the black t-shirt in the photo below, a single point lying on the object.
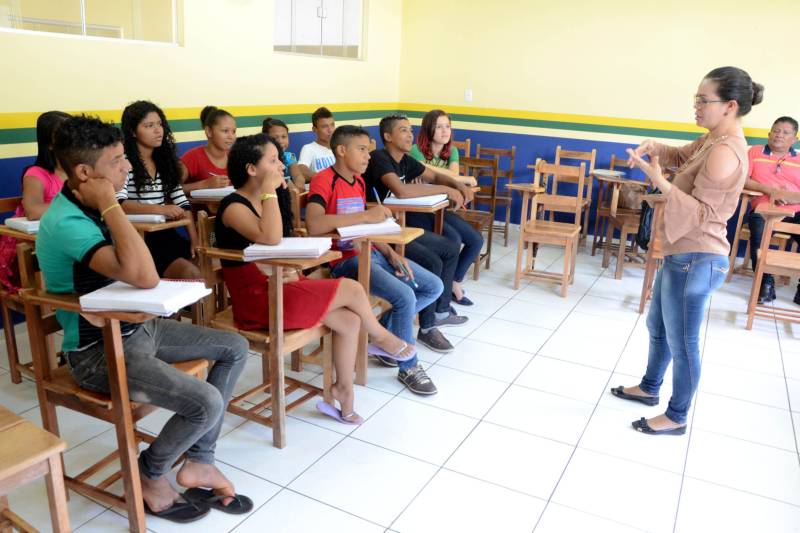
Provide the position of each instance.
(382, 163)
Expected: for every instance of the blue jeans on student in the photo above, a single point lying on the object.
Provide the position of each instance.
(406, 300)
(198, 405)
(680, 297)
(457, 230)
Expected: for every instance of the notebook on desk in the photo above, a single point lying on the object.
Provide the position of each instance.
(222, 192)
(419, 201)
(23, 224)
(147, 219)
(289, 248)
(387, 227)
(165, 299)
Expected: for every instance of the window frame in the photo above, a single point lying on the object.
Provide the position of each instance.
(362, 47)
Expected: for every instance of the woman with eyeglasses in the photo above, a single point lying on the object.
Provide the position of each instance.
(774, 171)
(701, 198)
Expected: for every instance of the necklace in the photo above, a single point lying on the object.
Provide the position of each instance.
(703, 149)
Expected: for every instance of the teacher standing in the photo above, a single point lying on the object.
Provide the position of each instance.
(699, 201)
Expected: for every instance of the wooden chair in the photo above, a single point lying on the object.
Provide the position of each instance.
(12, 301)
(273, 343)
(776, 262)
(28, 452)
(534, 230)
(588, 182)
(463, 147)
(299, 202)
(373, 144)
(617, 166)
(55, 387)
(625, 220)
(481, 220)
(503, 194)
(655, 253)
(780, 240)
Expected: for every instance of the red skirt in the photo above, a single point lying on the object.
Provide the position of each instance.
(305, 302)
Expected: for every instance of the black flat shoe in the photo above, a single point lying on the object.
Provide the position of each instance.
(642, 427)
(619, 392)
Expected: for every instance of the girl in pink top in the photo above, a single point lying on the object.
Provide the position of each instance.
(40, 184)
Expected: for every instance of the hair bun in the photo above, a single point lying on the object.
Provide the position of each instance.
(207, 110)
(758, 93)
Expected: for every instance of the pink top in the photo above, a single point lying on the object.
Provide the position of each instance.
(780, 172)
(52, 185)
(699, 205)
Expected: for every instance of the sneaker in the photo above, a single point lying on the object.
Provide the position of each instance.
(417, 381)
(451, 320)
(434, 340)
(385, 361)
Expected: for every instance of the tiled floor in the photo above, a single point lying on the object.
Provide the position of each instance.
(523, 435)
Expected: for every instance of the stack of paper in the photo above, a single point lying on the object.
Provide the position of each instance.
(419, 201)
(23, 224)
(608, 173)
(149, 219)
(289, 248)
(222, 192)
(387, 227)
(167, 298)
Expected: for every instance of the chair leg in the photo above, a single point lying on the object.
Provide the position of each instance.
(11, 344)
(508, 223)
(518, 270)
(585, 228)
(57, 495)
(607, 244)
(596, 237)
(623, 242)
(565, 274)
(753, 300)
(647, 283)
(327, 368)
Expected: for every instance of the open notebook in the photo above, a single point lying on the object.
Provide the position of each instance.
(289, 248)
(147, 219)
(167, 298)
(222, 192)
(23, 224)
(387, 227)
(419, 201)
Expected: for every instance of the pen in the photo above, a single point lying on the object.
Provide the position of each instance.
(377, 197)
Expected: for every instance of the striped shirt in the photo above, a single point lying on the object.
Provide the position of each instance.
(152, 193)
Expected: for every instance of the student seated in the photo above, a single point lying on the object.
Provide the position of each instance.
(279, 131)
(392, 170)
(41, 181)
(317, 155)
(154, 187)
(774, 171)
(85, 242)
(337, 198)
(206, 167)
(434, 149)
(252, 214)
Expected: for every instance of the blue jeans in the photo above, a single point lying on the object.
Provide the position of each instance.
(457, 230)
(406, 301)
(198, 405)
(680, 296)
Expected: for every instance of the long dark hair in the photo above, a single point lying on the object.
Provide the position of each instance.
(249, 150)
(46, 126)
(426, 132)
(165, 156)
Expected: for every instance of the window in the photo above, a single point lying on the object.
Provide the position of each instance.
(319, 27)
(141, 20)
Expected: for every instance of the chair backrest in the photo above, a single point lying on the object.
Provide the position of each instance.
(475, 166)
(499, 154)
(9, 204)
(588, 157)
(299, 202)
(463, 147)
(556, 202)
(212, 272)
(373, 144)
(617, 163)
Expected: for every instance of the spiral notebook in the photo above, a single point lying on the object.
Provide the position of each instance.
(23, 224)
(165, 299)
(289, 248)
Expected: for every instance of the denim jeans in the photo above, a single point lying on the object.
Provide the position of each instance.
(756, 224)
(438, 255)
(406, 301)
(681, 293)
(198, 405)
(461, 232)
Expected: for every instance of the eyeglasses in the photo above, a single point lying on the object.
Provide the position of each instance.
(700, 101)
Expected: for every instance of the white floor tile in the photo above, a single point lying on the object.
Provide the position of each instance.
(107, 522)
(412, 428)
(452, 502)
(512, 335)
(560, 519)
(744, 465)
(613, 488)
(621, 310)
(250, 448)
(365, 480)
(486, 304)
(460, 392)
(539, 314)
(564, 378)
(367, 403)
(708, 507)
(74, 427)
(18, 397)
(513, 459)
(744, 385)
(30, 502)
(541, 413)
(489, 360)
(793, 385)
(588, 340)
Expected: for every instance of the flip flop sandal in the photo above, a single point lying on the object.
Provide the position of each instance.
(238, 505)
(619, 392)
(642, 426)
(181, 512)
(327, 409)
(372, 349)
